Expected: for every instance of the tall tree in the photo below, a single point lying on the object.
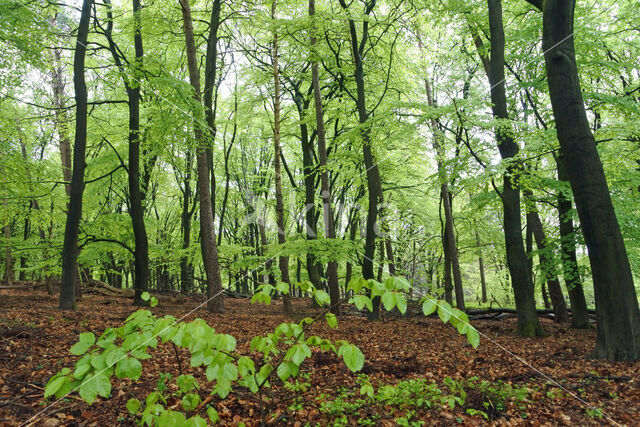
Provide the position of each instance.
(449, 238)
(283, 261)
(215, 298)
(528, 323)
(618, 314)
(329, 228)
(136, 209)
(74, 214)
(371, 167)
(571, 274)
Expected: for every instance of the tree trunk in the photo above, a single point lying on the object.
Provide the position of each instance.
(283, 261)
(618, 315)
(209, 247)
(210, 92)
(483, 282)
(449, 234)
(135, 196)
(61, 120)
(371, 168)
(446, 272)
(547, 263)
(186, 268)
(74, 214)
(528, 323)
(136, 209)
(8, 271)
(329, 229)
(579, 314)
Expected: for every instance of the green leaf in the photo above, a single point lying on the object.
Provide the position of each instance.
(197, 421)
(82, 367)
(129, 367)
(134, 406)
(213, 415)
(287, 369)
(86, 340)
(54, 384)
(388, 300)
(283, 288)
(298, 353)
(352, 356)
(444, 311)
(322, 298)
(191, 401)
(145, 296)
(401, 283)
(390, 283)
(356, 284)
(224, 342)
(473, 336)
(362, 300)
(246, 366)
(401, 303)
(367, 389)
(98, 385)
(429, 306)
(153, 302)
(186, 383)
(332, 320)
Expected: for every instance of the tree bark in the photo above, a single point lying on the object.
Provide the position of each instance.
(136, 209)
(74, 213)
(371, 168)
(186, 268)
(209, 247)
(571, 274)
(483, 282)
(329, 228)
(528, 323)
(449, 231)
(547, 263)
(618, 323)
(283, 261)
(209, 92)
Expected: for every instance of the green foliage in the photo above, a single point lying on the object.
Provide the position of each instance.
(121, 350)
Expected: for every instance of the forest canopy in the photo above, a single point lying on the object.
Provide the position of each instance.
(488, 152)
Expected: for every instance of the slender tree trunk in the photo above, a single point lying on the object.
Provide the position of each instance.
(74, 213)
(618, 315)
(353, 231)
(209, 92)
(329, 229)
(8, 271)
(557, 299)
(135, 195)
(449, 234)
(571, 274)
(62, 126)
(483, 282)
(136, 209)
(371, 168)
(528, 323)
(186, 268)
(446, 272)
(227, 175)
(61, 119)
(283, 261)
(215, 298)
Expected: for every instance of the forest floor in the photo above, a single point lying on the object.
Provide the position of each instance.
(506, 381)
